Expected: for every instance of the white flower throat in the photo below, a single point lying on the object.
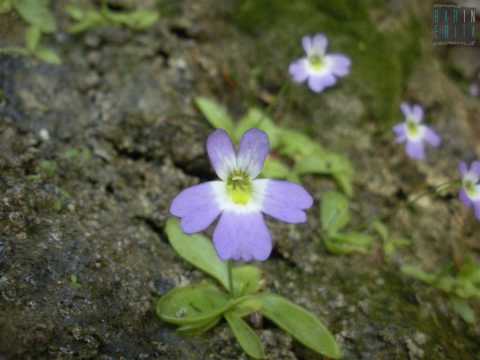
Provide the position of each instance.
(414, 130)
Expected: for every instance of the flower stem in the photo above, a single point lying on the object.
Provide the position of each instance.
(281, 93)
(230, 278)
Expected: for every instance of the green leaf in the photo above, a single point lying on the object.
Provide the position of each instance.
(470, 270)
(197, 250)
(463, 309)
(86, 19)
(248, 306)
(381, 229)
(391, 246)
(464, 289)
(328, 163)
(196, 304)
(348, 243)
(246, 337)
(356, 239)
(90, 20)
(325, 163)
(275, 169)
(256, 118)
(344, 181)
(142, 19)
(301, 324)
(75, 12)
(247, 279)
(32, 38)
(137, 20)
(37, 13)
(418, 274)
(216, 114)
(199, 328)
(335, 213)
(48, 55)
(297, 145)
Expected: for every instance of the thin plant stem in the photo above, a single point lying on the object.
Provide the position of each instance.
(280, 94)
(435, 190)
(230, 278)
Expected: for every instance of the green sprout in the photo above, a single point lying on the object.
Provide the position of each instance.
(86, 18)
(39, 17)
(460, 285)
(390, 243)
(335, 216)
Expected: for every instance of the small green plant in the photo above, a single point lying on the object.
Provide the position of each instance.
(41, 20)
(307, 156)
(235, 294)
(334, 217)
(460, 286)
(86, 18)
(39, 17)
(389, 243)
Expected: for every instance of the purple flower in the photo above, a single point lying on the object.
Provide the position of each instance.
(470, 191)
(414, 133)
(474, 90)
(240, 199)
(320, 69)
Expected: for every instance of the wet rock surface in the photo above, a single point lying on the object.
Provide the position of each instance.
(92, 153)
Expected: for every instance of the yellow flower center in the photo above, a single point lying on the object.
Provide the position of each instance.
(239, 187)
(316, 62)
(412, 128)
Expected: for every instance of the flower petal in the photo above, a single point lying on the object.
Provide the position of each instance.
(463, 168)
(415, 150)
(406, 110)
(307, 44)
(284, 200)
(339, 64)
(199, 220)
(400, 133)
(254, 149)
(221, 153)
(464, 198)
(476, 206)
(242, 236)
(192, 198)
(431, 137)
(475, 168)
(414, 112)
(299, 70)
(197, 206)
(417, 113)
(319, 44)
(319, 82)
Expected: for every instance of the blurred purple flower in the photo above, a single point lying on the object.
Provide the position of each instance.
(414, 133)
(240, 199)
(319, 69)
(470, 191)
(474, 90)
